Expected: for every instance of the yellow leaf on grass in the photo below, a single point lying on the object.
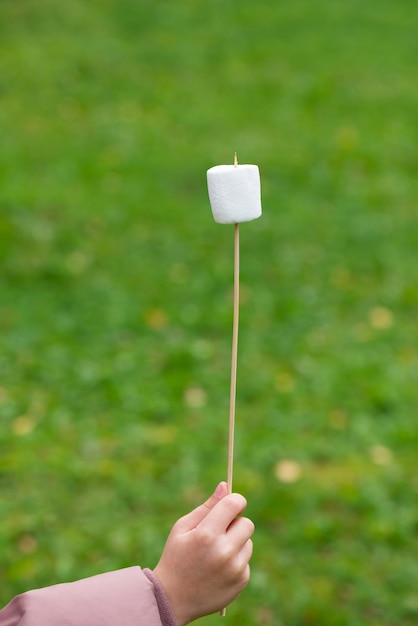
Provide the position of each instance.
(380, 318)
(381, 455)
(23, 425)
(288, 471)
(195, 397)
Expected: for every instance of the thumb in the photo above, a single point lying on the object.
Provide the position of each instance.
(193, 519)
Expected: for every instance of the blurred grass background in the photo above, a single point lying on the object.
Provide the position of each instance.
(116, 304)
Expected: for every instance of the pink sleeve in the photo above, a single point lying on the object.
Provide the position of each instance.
(127, 597)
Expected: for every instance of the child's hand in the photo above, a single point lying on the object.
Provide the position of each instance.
(204, 565)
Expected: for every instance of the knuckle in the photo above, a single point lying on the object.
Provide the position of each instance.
(204, 536)
(235, 503)
(226, 553)
(249, 525)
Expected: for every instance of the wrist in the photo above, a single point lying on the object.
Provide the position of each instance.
(165, 606)
(175, 603)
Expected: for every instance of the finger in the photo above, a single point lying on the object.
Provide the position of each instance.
(247, 551)
(195, 517)
(240, 531)
(224, 512)
(243, 558)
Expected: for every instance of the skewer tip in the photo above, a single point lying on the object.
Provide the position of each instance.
(235, 159)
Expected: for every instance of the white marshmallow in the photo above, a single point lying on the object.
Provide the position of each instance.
(234, 193)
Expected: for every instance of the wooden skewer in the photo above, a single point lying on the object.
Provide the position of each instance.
(234, 359)
(233, 388)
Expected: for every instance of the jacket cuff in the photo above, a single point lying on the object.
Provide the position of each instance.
(164, 606)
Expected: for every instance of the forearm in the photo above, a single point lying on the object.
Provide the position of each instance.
(127, 597)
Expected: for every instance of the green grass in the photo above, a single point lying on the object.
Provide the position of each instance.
(115, 294)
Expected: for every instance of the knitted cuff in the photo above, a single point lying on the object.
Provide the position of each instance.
(164, 607)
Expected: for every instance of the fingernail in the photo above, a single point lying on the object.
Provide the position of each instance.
(220, 490)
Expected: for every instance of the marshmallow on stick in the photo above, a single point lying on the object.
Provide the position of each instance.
(234, 194)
